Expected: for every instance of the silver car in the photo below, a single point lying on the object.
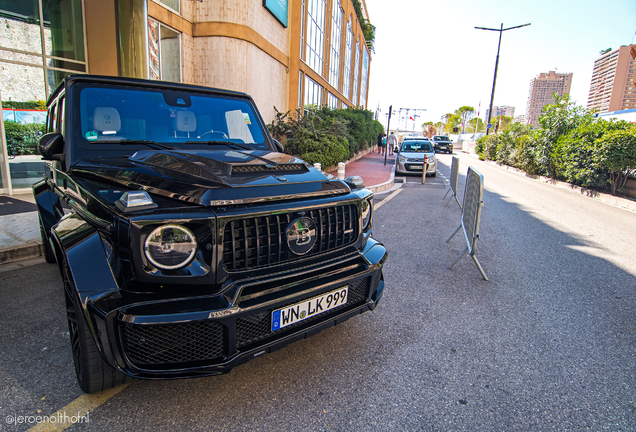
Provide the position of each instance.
(410, 158)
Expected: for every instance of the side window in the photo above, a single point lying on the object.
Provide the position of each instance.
(52, 119)
(60, 115)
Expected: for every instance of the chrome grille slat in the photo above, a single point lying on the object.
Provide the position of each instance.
(261, 241)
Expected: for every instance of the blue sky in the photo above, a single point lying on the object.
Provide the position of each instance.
(428, 54)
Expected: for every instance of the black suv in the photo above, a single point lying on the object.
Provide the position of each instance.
(442, 143)
(188, 243)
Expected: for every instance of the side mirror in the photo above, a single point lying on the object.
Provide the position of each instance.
(51, 146)
(279, 146)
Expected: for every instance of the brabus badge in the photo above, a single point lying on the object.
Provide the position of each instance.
(301, 235)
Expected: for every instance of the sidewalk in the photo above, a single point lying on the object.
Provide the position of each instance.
(20, 229)
(371, 168)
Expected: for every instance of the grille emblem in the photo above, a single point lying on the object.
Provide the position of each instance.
(301, 235)
(281, 178)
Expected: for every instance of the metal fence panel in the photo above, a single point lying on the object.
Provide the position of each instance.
(453, 180)
(471, 215)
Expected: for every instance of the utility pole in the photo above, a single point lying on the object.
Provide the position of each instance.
(494, 80)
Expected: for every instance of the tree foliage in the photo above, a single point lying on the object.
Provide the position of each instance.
(571, 145)
(464, 113)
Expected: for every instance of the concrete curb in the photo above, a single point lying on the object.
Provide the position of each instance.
(19, 253)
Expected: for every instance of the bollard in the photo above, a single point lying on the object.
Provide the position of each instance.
(424, 169)
(341, 170)
(318, 166)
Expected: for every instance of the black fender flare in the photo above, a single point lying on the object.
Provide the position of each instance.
(48, 204)
(80, 246)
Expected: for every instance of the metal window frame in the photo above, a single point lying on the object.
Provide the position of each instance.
(7, 188)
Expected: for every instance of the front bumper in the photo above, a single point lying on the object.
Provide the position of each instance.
(443, 147)
(209, 335)
(415, 167)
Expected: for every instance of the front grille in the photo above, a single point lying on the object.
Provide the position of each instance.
(173, 343)
(257, 327)
(260, 241)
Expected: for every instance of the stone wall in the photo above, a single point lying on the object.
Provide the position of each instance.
(17, 82)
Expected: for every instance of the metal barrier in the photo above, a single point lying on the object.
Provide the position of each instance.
(471, 214)
(453, 181)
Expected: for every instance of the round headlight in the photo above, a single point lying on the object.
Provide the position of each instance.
(170, 247)
(366, 213)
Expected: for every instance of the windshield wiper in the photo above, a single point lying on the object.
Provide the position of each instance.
(146, 142)
(210, 142)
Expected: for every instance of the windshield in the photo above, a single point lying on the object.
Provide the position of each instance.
(114, 115)
(417, 146)
(440, 138)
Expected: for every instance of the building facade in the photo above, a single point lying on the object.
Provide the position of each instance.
(508, 111)
(542, 89)
(287, 54)
(612, 87)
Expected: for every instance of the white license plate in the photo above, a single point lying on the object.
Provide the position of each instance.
(289, 315)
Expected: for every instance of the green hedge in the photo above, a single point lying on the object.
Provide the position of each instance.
(324, 135)
(571, 145)
(32, 105)
(23, 139)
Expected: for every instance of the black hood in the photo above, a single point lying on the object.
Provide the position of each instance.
(208, 177)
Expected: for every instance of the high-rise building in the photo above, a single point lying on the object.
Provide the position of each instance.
(508, 111)
(612, 87)
(542, 89)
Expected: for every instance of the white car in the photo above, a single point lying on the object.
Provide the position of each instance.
(410, 158)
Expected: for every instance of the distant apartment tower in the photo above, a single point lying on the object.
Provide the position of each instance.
(508, 111)
(612, 87)
(542, 89)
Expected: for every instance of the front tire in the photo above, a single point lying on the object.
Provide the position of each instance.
(93, 375)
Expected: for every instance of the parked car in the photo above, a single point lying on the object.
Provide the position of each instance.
(410, 158)
(442, 143)
(187, 241)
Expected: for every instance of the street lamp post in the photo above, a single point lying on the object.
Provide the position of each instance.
(494, 80)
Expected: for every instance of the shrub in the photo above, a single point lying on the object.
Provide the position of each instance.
(320, 135)
(23, 139)
(616, 151)
(328, 151)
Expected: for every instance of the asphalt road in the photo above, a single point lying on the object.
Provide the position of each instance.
(548, 343)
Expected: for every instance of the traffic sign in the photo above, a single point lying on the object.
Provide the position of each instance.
(489, 125)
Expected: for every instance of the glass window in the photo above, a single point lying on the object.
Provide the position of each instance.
(60, 116)
(63, 37)
(332, 101)
(336, 39)
(347, 66)
(52, 120)
(164, 52)
(313, 93)
(356, 74)
(302, 31)
(315, 35)
(172, 4)
(109, 116)
(365, 78)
